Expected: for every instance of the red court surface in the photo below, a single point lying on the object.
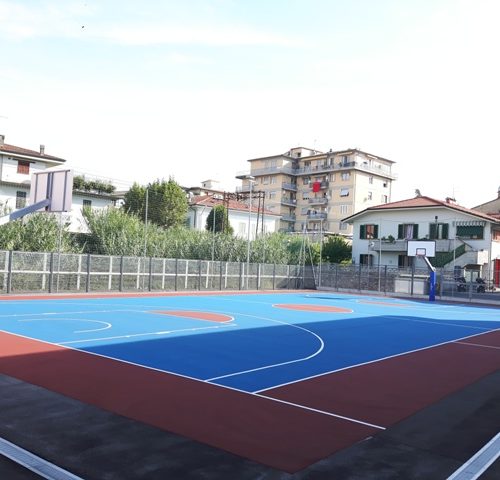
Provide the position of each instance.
(287, 428)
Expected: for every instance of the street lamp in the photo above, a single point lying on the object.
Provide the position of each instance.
(250, 179)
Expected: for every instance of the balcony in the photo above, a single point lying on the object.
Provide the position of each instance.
(378, 169)
(316, 216)
(288, 217)
(323, 184)
(318, 201)
(292, 202)
(289, 186)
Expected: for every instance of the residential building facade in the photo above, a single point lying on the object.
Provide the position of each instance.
(313, 191)
(17, 164)
(464, 238)
(238, 215)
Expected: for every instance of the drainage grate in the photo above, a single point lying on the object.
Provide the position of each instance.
(34, 463)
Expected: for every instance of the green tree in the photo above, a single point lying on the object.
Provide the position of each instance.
(166, 201)
(221, 223)
(336, 250)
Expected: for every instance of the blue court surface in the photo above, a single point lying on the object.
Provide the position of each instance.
(253, 344)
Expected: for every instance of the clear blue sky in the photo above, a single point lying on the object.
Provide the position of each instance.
(192, 89)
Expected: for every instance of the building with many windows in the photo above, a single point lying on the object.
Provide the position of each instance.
(464, 238)
(313, 191)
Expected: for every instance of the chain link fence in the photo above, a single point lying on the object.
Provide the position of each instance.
(34, 272)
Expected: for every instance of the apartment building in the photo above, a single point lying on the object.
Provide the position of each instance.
(313, 191)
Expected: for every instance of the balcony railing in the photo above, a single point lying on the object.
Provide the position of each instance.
(328, 167)
(316, 216)
(288, 218)
(289, 186)
(286, 169)
(318, 201)
(288, 201)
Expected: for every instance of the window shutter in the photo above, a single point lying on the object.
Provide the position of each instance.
(400, 231)
(415, 231)
(432, 231)
(445, 230)
(362, 231)
(375, 231)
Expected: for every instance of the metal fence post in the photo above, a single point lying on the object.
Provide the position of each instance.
(51, 271)
(199, 274)
(258, 276)
(412, 278)
(359, 276)
(385, 279)
(9, 271)
(274, 276)
(150, 277)
(220, 274)
(336, 276)
(176, 273)
(87, 280)
(120, 285)
(241, 274)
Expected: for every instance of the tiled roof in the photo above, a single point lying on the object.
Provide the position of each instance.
(425, 202)
(24, 151)
(209, 201)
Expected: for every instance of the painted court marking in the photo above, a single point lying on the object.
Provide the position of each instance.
(478, 345)
(106, 324)
(211, 317)
(479, 463)
(34, 463)
(312, 308)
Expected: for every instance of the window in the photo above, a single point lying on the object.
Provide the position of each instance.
(438, 231)
(472, 232)
(305, 196)
(20, 199)
(343, 226)
(273, 180)
(265, 180)
(408, 231)
(405, 261)
(365, 259)
(345, 176)
(370, 196)
(384, 184)
(370, 180)
(385, 199)
(87, 203)
(23, 167)
(272, 194)
(344, 209)
(306, 180)
(368, 232)
(332, 177)
(344, 192)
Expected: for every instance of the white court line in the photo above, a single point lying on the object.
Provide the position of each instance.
(108, 325)
(133, 335)
(215, 385)
(34, 463)
(446, 324)
(317, 352)
(478, 345)
(372, 361)
(479, 463)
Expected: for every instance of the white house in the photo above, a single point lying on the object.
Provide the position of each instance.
(464, 237)
(17, 164)
(238, 214)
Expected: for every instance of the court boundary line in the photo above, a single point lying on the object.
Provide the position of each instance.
(375, 361)
(468, 471)
(33, 462)
(180, 375)
(478, 345)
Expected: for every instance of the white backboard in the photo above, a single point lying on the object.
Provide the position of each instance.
(56, 185)
(426, 248)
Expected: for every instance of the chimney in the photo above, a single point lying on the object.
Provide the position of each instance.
(2, 140)
(42, 149)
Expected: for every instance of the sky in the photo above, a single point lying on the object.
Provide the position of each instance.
(192, 89)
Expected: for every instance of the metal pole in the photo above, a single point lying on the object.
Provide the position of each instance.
(213, 233)
(145, 236)
(379, 251)
(249, 223)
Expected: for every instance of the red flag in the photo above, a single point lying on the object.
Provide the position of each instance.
(316, 186)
